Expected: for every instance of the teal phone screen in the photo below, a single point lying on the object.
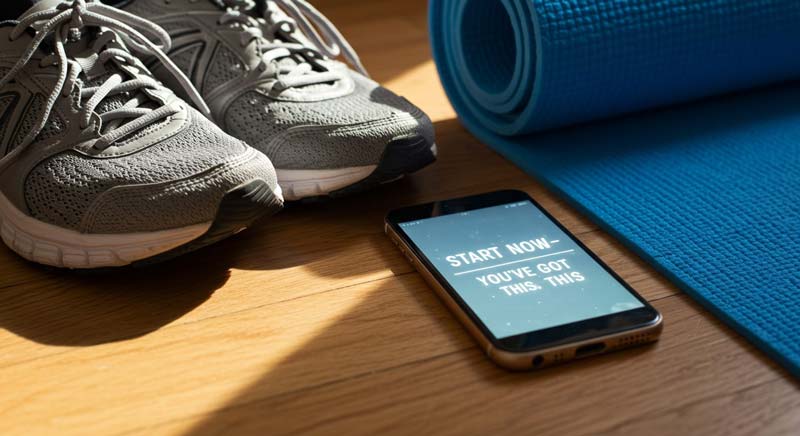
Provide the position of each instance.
(516, 269)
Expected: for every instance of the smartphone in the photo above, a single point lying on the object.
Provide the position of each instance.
(526, 289)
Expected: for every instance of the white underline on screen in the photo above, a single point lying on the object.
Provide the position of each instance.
(511, 263)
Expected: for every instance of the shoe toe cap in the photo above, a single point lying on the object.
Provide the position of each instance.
(327, 133)
(177, 181)
(330, 147)
(178, 203)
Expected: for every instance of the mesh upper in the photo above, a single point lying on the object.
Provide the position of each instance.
(150, 8)
(222, 69)
(368, 102)
(177, 203)
(55, 126)
(171, 28)
(62, 188)
(36, 107)
(5, 102)
(184, 57)
(351, 130)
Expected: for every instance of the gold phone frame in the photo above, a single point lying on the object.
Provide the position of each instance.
(534, 359)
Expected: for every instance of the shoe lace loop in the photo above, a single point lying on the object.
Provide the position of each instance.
(332, 43)
(265, 32)
(65, 23)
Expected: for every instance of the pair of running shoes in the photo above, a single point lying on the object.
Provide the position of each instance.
(137, 133)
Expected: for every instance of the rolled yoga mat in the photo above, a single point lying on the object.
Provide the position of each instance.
(673, 124)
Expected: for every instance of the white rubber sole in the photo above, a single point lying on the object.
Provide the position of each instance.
(297, 184)
(47, 244)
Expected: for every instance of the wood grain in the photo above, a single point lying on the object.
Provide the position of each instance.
(312, 322)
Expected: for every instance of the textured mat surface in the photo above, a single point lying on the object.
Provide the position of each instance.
(653, 118)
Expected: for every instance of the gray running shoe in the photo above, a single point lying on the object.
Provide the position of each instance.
(269, 78)
(102, 166)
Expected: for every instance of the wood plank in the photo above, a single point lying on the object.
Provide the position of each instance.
(456, 390)
(327, 340)
(767, 408)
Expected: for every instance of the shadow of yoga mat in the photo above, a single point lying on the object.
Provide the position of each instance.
(707, 189)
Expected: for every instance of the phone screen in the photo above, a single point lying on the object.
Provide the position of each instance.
(516, 269)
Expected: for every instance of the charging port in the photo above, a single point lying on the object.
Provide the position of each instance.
(589, 349)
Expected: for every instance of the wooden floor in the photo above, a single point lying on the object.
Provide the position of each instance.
(313, 323)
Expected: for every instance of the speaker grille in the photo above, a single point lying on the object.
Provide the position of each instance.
(634, 340)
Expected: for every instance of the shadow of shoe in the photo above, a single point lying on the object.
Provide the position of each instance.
(69, 308)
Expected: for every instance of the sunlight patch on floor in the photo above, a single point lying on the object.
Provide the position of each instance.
(297, 334)
(416, 81)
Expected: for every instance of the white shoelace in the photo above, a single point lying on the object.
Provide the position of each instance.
(265, 30)
(65, 23)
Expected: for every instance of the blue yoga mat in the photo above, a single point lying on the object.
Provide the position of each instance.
(674, 124)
